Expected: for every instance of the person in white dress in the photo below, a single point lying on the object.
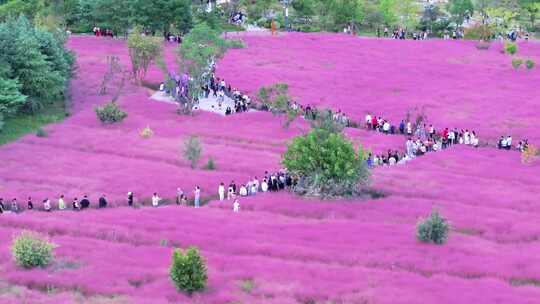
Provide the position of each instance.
(409, 128)
(243, 191)
(221, 192)
(264, 185)
(197, 194)
(155, 199)
(236, 206)
(47, 205)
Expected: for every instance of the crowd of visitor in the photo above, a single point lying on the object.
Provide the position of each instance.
(99, 32)
(271, 182)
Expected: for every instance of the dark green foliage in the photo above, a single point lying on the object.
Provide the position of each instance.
(192, 150)
(433, 229)
(530, 64)
(11, 98)
(188, 270)
(37, 60)
(110, 113)
(235, 44)
(15, 8)
(159, 15)
(211, 19)
(460, 10)
(41, 133)
(327, 164)
(210, 165)
(434, 20)
(304, 8)
(113, 14)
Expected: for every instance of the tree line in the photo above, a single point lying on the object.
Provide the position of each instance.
(158, 16)
(35, 67)
(368, 15)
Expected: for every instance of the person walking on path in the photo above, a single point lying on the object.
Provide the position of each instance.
(155, 200)
(130, 199)
(179, 195)
(221, 192)
(197, 193)
(61, 203)
(236, 206)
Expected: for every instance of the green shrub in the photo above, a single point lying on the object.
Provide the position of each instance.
(510, 48)
(247, 285)
(210, 165)
(479, 32)
(110, 113)
(235, 44)
(30, 250)
(434, 229)
(188, 270)
(517, 62)
(192, 150)
(327, 165)
(41, 133)
(275, 97)
(530, 64)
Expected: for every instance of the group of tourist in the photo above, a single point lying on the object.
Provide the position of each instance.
(401, 34)
(48, 206)
(169, 37)
(505, 143)
(271, 182)
(99, 32)
(421, 139)
(446, 137)
(219, 89)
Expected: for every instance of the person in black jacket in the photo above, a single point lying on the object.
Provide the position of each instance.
(85, 203)
(130, 199)
(102, 201)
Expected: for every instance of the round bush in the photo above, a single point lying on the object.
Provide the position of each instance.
(434, 229)
(327, 164)
(110, 113)
(30, 250)
(188, 270)
(517, 62)
(530, 64)
(510, 48)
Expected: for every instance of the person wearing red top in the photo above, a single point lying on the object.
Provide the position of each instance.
(374, 122)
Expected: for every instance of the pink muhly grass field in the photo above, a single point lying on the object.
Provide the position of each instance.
(457, 84)
(292, 250)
